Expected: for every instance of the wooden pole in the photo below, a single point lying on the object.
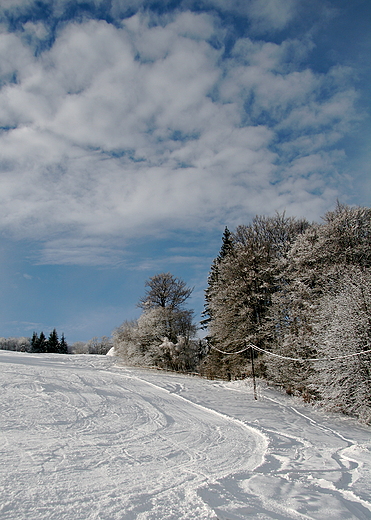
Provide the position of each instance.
(253, 372)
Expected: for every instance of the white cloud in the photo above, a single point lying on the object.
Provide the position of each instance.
(80, 251)
(136, 130)
(271, 14)
(264, 15)
(37, 30)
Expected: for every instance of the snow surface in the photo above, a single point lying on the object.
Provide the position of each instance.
(83, 438)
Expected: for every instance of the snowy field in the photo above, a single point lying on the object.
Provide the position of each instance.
(83, 439)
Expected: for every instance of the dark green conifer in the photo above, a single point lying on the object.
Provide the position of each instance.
(34, 342)
(42, 343)
(225, 250)
(53, 342)
(63, 347)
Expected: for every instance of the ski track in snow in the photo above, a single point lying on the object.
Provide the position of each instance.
(85, 439)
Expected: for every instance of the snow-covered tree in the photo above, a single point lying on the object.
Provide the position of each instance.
(343, 332)
(78, 347)
(313, 272)
(166, 291)
(225, 250)
(127, 344)
(17, 344)
(241, 294)
(164, 334)
(99, 345)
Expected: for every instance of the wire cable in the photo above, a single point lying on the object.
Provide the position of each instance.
(230, 353)
(311, 359)
(251, 346)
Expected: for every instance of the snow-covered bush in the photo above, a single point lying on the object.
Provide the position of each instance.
(21, 344)
(144, 342)
(78, 347)
(99, 345)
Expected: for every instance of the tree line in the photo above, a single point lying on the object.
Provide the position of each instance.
(39, 343)
(298, 291)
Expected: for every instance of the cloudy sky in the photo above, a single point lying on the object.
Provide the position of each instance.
(132, 132)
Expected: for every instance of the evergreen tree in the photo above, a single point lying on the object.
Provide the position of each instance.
(42, 343)
(225, 250)
(240, 296)
(63, 347)
(34, 342)
(53, 342)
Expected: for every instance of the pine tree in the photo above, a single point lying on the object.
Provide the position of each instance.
(42, 343)
(34, 342)
(53, 342)
(63, 347)
(225, 250)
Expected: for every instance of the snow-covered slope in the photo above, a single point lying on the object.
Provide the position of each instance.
(84, 439)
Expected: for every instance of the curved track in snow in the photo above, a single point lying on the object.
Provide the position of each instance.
(79, 442)
(83, 439)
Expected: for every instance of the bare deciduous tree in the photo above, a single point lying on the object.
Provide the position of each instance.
(165, 290)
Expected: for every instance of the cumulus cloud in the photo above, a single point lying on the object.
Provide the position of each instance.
(133, 130)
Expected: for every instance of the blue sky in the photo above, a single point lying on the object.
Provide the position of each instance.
(132, 132)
